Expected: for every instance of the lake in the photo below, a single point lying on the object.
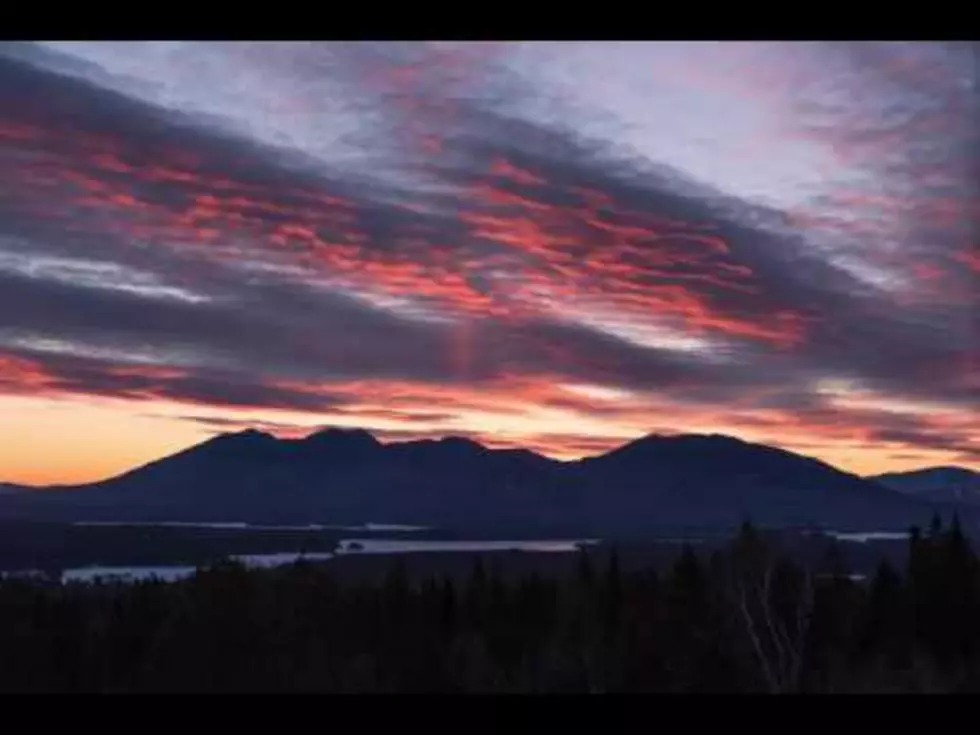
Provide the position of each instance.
(242, 526)
(409, 546)
(345, 547)
(864, 537)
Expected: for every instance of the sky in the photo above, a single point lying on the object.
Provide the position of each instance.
(557, 245)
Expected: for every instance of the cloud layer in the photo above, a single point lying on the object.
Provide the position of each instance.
(558, 246)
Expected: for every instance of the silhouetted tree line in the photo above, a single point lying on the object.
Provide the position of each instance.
(744, 619)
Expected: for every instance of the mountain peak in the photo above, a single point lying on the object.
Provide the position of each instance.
(950, 470)
(946, 472)
(956, 484)
(447, 446)
(461, 442)
(344, 438)
(251, 436)
(674, 441)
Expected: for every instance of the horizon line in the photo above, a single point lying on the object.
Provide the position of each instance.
(395, 442)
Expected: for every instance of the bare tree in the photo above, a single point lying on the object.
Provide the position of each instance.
(776, 632)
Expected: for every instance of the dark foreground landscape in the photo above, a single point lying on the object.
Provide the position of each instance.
(514, 367)
(751, 615)
(252, 564)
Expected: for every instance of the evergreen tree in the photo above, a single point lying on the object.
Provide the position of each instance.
(299, 629)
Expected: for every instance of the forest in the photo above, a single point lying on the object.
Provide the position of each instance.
(745, 618)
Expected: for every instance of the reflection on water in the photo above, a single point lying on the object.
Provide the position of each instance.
(347, 546)
(174, 573)
(127, 574)
(240, 526)
(277, 560)
(866, 536)
(405, 546)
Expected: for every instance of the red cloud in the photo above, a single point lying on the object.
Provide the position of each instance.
(639, 263)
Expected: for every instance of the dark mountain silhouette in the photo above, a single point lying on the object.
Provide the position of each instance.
(943, 484)
(721, 480)
(347, 476)
(6, 488)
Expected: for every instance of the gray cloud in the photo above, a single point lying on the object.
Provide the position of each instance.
(510, 253)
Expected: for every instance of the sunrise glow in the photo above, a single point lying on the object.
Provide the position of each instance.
(553, 246)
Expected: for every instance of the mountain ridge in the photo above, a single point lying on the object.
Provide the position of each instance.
(349, 476)
(256, 435)
(945, 483)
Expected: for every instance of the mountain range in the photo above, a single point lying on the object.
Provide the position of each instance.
(347, 476)
(943, 484)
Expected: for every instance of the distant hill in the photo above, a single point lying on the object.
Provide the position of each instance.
(6, 488)
(943, 484)
(721, 480)
(348, 476)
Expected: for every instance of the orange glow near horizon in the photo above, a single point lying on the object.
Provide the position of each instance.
(66, 441)
(564, 282)
(74, 440)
